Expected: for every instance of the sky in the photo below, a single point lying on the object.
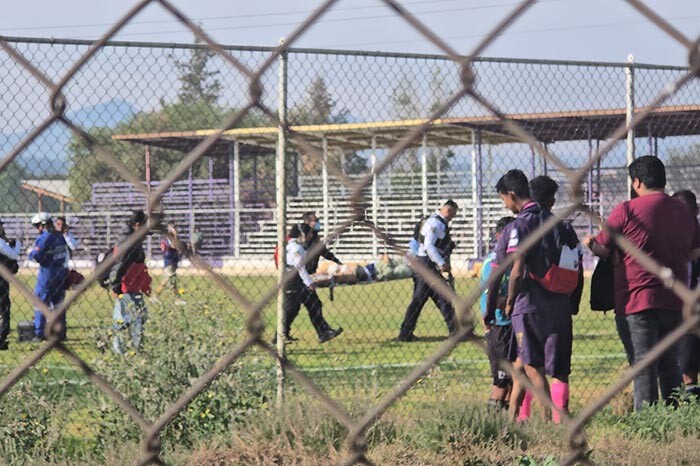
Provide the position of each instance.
(590, 30)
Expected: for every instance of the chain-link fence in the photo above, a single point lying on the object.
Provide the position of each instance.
(226, 149)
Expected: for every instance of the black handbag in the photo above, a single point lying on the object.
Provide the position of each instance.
(603, 286)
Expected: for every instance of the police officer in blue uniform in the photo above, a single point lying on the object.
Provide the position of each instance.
(434, 252)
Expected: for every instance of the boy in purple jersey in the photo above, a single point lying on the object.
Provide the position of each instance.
(499, 331)
(689, 346)
(543, 190)
(541, 318)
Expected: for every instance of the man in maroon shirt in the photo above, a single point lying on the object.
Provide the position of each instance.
(663, 228)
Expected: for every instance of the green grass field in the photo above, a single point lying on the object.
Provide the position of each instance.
(364, 361)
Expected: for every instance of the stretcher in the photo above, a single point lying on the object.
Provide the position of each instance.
(377, 272)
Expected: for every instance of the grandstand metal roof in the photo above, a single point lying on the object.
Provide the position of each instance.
(57, 189)
(545, 127)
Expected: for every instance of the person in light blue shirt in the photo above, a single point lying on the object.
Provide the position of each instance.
(499, 331)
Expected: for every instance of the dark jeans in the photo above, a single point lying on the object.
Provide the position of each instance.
(4, 310)
(421, 293)
(623, 331)
(647, 328)
(296, 294)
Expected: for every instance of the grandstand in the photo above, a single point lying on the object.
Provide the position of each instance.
(242, 225)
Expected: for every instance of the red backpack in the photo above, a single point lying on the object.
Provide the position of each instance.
(556, 266)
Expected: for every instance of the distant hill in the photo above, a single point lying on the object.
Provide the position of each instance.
(48, 154)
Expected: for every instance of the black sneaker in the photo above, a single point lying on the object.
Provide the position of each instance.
(406, 338)
(4, 346)
(330, 334)
(287, 339)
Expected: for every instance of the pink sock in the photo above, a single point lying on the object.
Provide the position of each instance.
(560, 398)
(524, 412)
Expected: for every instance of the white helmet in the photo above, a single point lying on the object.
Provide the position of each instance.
(41, 218)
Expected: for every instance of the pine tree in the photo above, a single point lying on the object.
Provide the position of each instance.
(198, 83)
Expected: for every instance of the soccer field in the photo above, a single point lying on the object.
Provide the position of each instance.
(365, 361)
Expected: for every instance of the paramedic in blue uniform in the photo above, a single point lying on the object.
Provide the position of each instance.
(50, 252)
(301, 289)
(434, 252)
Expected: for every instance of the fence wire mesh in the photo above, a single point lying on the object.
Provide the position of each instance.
(371, 144)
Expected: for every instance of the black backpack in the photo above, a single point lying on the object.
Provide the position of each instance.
(103, 278)
(603, 286)
(11, 264)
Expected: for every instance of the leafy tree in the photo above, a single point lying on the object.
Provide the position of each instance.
(407, 107)
(198, 82)
(319, 108)
(15, 199)
(196, 108)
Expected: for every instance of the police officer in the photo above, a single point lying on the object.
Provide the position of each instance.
(434, 252)
(301, 289)
(9, 254)
(312, 220)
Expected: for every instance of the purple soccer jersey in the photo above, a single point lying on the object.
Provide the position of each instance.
(541, 319)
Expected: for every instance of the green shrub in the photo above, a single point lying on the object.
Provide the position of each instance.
(661, 422)
(180, 345)
(451, 425)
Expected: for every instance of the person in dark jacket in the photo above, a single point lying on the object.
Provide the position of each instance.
(9, 253)
(129, 281)
(312, 220)
(689, 347)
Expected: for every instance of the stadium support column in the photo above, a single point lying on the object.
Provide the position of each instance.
(629, 74)
(234, 176)
(598, 181)
(589, 180)
(477, 194)
(375, 196)
(424, 173)
(324, 180)
(147, 155)
(533, 161)
(190, 205)
(544, 161)
(281, 214)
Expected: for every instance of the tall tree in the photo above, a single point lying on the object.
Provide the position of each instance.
(198, 82)
(319, 108)
(196, 108)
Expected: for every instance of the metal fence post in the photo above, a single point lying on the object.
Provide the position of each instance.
(375, 196)
(424, 173)
(325, 189)
(236, 178)
(281, 216)
(629, 74)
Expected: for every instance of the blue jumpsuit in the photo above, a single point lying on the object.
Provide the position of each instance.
(50, 251)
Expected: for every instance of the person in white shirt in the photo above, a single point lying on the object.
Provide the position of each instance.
(9, 254)
(301, 289)
(434, 252)
(71, 241)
